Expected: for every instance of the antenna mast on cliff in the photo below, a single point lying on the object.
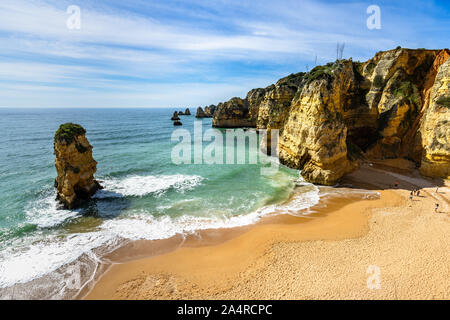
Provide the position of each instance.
(340, 51)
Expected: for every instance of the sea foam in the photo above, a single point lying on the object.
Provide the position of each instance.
(37, 255)
(139, 186)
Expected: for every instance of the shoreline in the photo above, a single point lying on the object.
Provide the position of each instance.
(227, 263)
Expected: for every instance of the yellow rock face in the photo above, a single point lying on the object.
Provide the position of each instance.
(397, 83)
(435, 128)
(314, 136)
(75, 167)
(233, 114)
(386, 108)
(266, 108)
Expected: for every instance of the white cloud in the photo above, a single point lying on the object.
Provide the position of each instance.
(118, 50)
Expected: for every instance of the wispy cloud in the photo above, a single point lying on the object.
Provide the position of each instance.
(162, 53)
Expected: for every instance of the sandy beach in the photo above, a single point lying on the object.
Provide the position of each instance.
(330, 254)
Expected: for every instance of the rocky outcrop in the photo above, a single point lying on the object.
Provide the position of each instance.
(435, 130)
(187, 112)
(233, 114)
(177, 123)
(175, 116)
(209, 111)
(393, 106)
(262, 108)
(275, 104)
(180, 113)
(200, 113)
(315, 134)
(396, 92)
(75, 166)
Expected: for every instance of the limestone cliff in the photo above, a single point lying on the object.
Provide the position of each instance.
(435, 129)
(275, 104)
(208, 112)
(395, 105)
(315, 134)
(75, 166)
(262, 108)
(233, 114)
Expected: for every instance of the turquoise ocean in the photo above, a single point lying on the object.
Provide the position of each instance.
(146, 195)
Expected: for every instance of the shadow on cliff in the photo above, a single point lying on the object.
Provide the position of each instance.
(382, 177)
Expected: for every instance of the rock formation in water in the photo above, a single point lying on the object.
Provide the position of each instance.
(209, 111)
(187, 112)
(75, 166)
(175, 116)
(180, 113)
(233, 114)
(200, 113)
(393, 106)
(262, 108)
(177, 123)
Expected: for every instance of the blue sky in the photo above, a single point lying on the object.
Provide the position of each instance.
(186, 53)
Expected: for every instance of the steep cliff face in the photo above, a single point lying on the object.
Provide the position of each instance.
(435, 128)
(397, 93)
(255, 97)
(392, 106)
(233, 114)
(275, 105)
(266, 108)
(315, 134)
(75, 166)
(208, 112)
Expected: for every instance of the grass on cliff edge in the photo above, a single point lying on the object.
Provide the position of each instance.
(320, 72)
(68, 131)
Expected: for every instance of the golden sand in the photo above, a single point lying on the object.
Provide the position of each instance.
(331, 254)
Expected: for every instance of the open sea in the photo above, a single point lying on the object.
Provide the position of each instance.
(146, 195)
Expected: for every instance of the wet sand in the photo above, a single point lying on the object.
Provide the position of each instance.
(330, 254)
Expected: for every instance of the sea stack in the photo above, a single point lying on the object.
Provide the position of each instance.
(187, 112)
(177, 123)
(180, 113)
(200, 113)
(175, 116)
(75, 166)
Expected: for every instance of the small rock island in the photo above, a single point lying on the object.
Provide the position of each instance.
(75, 166)
(175, 117)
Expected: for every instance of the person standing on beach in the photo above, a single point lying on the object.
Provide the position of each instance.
(436, 207)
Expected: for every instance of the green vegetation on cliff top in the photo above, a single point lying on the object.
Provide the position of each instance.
(320, 72)
(68, 131)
